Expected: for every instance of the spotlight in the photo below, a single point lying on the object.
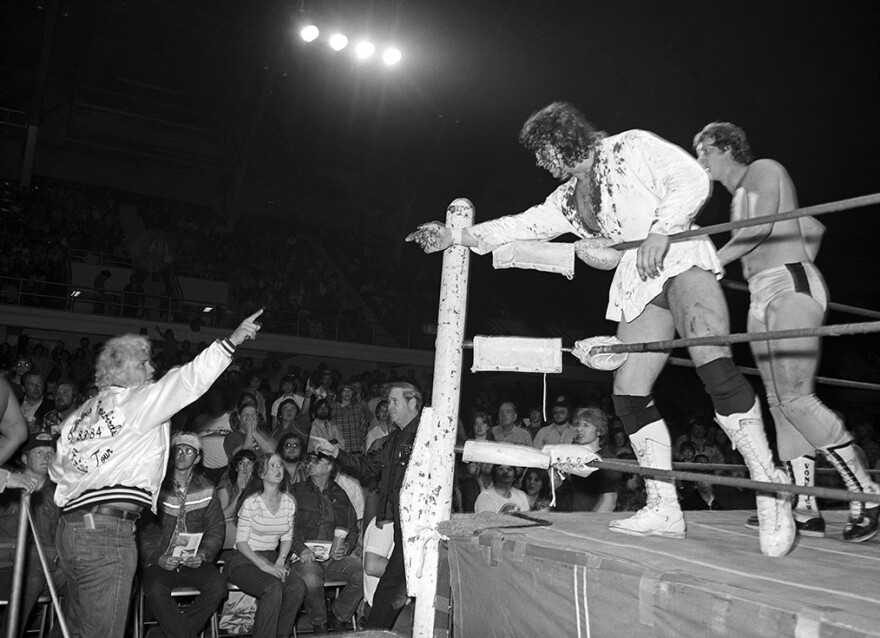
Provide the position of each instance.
(391, 56)
(364, 49)
(207, 308)
(75, 293)
(309, 33)
(338, 42)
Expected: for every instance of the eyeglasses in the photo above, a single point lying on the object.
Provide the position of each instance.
(185, 450)
(292, 444)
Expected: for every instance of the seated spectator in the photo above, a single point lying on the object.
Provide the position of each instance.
(248, 432)
(263, 537)
(324, 513)
(621, 443)
(64, 404)
(36, 455)
(291, 420)
(535, 421)
(559, 428)
(536, 485)
(482, 426)
(288, 391)
(34, 405)
(697, 495)
(323, 428)
(598, 491)
(188, 505)
(474, 485)
(348, 416)
(292, 450)
(507, 431)
(230, 488)
(702, 444)
(502, 497)
(381, 425)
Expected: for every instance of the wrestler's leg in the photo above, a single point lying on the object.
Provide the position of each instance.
(699, 309)
(793, 449)
(794, 364)
(633, 403)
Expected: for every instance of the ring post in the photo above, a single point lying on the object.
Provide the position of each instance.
(426, 495)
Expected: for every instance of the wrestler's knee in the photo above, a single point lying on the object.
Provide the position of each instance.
(635, 412)
(798, 408)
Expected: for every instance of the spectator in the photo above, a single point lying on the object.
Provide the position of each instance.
(507, 431)
(598, 491)
(99, 294)
(188, 505)
(36, 455)
(288, 386)
(502, 497)
(230, 488)
(348, 415)
(559, 428)
(323, 428)
(213, 426)
(263, 537)
(697, 495)
(291, 420)
(535, 421)
(248, 432)
(381, 425)
(133, 297)
(324, 513)
(64, 404)
(292, 450)
(536, 485)
(34, 406)
(474, 485)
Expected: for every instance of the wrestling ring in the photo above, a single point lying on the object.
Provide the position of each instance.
(466, 572)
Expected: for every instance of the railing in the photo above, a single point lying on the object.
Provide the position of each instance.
(135, 306)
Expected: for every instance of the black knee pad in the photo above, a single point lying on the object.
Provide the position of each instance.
(635, 412)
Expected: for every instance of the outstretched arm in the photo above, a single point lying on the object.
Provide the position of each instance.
(757, 197)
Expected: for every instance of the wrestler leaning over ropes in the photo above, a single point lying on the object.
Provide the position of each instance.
(628, 187)
(787, 291)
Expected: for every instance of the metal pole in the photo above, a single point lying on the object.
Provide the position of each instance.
(26, 506)
(14, 606)
(433, 461)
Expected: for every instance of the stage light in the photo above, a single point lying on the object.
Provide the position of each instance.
(364, 49)
(207, 308)
(391, 56)
(75, 293)
(338, 42)
(309, 33)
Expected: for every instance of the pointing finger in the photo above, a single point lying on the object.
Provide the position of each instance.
(255, 315)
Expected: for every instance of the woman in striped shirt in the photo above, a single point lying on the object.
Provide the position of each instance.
(262, 541)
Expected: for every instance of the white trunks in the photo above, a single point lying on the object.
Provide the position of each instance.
(768, 285)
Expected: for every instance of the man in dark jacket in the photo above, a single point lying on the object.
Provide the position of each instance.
(389, 463)
(179, 545)
(324, 513)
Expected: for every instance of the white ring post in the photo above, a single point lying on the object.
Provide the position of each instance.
(426, 495)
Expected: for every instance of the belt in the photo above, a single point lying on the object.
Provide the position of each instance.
(107, 510)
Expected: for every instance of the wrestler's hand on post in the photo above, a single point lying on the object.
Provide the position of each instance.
(247, 329)
(650, 255)
(432, 237)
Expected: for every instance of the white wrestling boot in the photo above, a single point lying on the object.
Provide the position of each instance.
(661, 515)
(776, 524)
(863, 517)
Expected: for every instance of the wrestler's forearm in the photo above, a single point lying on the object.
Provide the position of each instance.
(742, 243)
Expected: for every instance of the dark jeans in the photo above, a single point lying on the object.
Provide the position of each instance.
(98, 565)
(348, 569)
(189, 621)
(278, 602)
(390, 596)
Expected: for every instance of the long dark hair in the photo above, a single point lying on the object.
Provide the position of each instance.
(544, 493)
(237, 458)
(255, 485)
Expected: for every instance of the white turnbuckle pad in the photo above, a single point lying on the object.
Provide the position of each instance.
(517, 354)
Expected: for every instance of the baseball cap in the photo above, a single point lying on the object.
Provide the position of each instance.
(186, 438)
(40, 439)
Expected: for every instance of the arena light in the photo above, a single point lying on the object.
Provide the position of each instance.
(207, 308)
(391, 56)
(309, 33)
(75, 293)
(338, 42)
(364, 49)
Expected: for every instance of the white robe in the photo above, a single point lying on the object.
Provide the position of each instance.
(641, 184)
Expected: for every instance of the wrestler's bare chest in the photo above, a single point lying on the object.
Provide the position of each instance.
(583, 195)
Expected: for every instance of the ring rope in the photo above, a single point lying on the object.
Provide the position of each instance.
(808, 211)
(727, 467)
(759, 486)
(661, 346)
(840, 307)
(843, 383)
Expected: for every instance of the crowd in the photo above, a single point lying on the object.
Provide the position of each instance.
(252, 450)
